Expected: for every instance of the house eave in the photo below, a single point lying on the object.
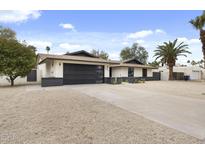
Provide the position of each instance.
(64, 59)
(134, 65)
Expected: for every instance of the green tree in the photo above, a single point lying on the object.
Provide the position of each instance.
(126, 54)
(193, 62)
(198, 23)
(135, 51)
(48, 49)
(16, 59)
(102, 54)
(199, 63)
(7, 33)
(154, 64)
(168, 53)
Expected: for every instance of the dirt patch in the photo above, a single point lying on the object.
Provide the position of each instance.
(33, 114)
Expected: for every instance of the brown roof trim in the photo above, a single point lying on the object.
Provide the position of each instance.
(113, 63)
(70, 60)
(133, 65)
(133, 59)
(74, 58)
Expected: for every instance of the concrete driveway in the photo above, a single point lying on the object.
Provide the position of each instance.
(179, 105)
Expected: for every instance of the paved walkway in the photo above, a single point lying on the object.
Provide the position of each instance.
(179, 112)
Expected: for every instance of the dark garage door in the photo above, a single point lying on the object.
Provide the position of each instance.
(82, 74)
(32, 76)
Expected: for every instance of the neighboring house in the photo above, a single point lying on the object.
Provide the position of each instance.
(194, 72)
(82, 67)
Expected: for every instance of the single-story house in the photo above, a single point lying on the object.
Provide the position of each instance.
(82, 67)
(193, 72)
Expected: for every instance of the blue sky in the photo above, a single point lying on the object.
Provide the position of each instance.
(110, 31)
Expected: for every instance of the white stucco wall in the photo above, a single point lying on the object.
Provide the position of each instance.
(137, 72)
(17, 81)
(203, 74)
(195, 73)
(123, 72)
(58, 68)
(164, 75)
(20, 80)
(149, 73)
(47, 68)
(54, 68)
(120, 72)
(42, 68)
(116, 72)
(106, 71)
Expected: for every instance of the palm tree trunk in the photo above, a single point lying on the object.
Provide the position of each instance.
(204, 60)
(171, 72)
(202, 38)
(203, 49)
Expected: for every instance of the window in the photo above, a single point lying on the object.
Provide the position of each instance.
(144, 72)
(130, 72)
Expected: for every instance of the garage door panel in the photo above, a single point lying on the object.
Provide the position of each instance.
(78, 71)
(79, 74)
(79, 81)
(79, 77)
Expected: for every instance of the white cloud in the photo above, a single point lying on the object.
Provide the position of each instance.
(125, 43)
(182, 39)
(113, 40)
(160, 31)
(18, 16)
(189, 41)
(194, 48)
(140, 34)
(140, 41)
(69, 46)
(145, 33)
(40, 45)
(194, 41)
(67, 26)
(114, 55)
(74, 47)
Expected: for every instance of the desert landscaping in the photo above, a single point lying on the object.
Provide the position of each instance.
(72, 114)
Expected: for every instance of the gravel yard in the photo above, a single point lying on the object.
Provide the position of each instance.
(31, 114)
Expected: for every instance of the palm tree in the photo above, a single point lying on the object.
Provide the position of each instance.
(198, 23)
(168, 53)
(48, 49)
(193, 63)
